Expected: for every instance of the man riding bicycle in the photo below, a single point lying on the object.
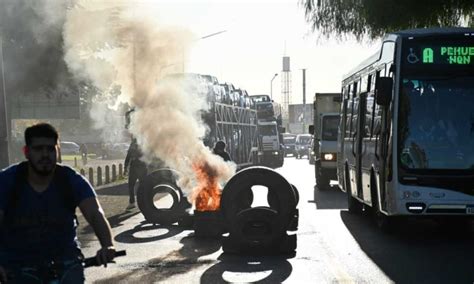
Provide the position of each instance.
(38, 224)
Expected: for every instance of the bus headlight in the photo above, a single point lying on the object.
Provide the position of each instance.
(329, 156)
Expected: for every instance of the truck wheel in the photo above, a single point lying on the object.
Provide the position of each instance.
(322, 182)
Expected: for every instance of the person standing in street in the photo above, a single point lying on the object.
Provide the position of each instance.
(83, 151)
(219, 149)
(136, 168)
(38, 200)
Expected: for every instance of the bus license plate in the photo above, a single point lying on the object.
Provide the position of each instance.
(470, 210)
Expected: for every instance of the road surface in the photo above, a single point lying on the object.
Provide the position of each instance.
(333, 247)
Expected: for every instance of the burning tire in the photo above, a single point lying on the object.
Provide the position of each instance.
(161, 182)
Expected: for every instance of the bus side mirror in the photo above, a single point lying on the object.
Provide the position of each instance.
(383, 88)
(311, 129)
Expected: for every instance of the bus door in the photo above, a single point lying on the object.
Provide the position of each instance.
(359, 139)
(353, 143)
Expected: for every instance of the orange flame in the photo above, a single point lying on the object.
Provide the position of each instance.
(207, 195)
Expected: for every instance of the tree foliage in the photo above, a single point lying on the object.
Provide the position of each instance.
(374, 18)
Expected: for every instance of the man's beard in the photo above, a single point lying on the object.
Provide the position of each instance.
(40, 171)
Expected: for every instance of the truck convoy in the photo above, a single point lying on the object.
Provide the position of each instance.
(324, 129)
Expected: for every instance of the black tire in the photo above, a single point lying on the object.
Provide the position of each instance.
(272, 197)
(456, 224)
(385, 223)
(257, 227)
(281, 196)
(353, 205)
(160, 181)
(322, 182)
(297, 194)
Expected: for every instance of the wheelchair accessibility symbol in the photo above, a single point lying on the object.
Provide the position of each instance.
(412, 58)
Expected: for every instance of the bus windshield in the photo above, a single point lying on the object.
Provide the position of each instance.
(436, 123)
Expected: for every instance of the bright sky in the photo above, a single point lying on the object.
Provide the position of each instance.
(258, 34)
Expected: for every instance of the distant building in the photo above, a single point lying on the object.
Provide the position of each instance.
(297, 124)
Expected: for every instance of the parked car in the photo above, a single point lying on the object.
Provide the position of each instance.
(302, 144)
(69, 148)
(311, 152)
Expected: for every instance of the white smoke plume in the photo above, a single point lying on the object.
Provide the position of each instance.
(115, 45)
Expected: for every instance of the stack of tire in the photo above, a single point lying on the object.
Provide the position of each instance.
(261, 230)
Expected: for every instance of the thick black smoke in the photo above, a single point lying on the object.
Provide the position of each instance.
(33, 47)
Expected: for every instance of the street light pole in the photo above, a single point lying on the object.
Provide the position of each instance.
(197, 39)
(271, 85)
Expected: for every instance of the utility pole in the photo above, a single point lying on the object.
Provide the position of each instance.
(304, 100)
(4, 129)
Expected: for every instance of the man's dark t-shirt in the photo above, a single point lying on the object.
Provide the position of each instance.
(43, 227)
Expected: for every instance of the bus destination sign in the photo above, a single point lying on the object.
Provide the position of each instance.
(443, 55)
(449, 54)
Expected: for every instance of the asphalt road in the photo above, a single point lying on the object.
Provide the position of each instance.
(333, 247)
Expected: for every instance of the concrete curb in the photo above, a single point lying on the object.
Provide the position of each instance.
(110, 185)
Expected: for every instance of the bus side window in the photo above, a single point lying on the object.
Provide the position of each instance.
(348, 112)
(369, 114)
(371, 104)
(355, 109)
(377, 119)
(348, 118)
(343, 114)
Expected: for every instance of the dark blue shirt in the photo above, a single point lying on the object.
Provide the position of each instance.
(40, 226)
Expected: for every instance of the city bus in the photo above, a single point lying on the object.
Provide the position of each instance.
(406, 133)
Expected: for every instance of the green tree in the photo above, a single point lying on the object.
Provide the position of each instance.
(374, 18)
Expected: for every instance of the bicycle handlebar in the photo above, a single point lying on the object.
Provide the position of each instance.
(92, 261)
